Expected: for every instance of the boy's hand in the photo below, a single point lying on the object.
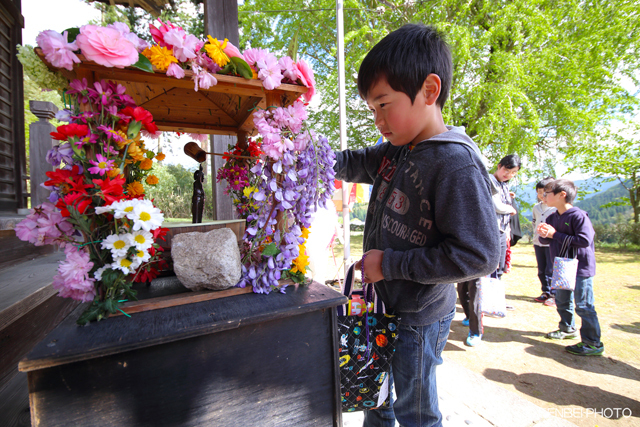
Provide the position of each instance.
(546, 230)
(513, 211)
(372, 266)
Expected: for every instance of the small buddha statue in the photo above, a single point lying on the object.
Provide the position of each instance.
(197, 201)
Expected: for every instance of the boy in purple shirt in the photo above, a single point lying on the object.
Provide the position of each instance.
(572, 223)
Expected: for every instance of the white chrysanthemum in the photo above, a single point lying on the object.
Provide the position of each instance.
(139, 258)
(103, 209)
(122, 208)
(119, 244)
(98, 273)
(142, 240)
(124, 264)
(145, 216)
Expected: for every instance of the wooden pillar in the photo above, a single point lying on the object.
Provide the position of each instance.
(221, 21)
(40, 142)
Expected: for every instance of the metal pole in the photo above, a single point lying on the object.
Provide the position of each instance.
(343, 128)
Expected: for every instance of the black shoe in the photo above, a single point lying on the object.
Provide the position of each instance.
(582, 349)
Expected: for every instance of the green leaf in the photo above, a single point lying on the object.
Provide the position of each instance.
(270, 250)
(292, 52)
(242, 68)
(230, 68)
(143, 64)
(91, 313)
(111, 306)
(72, 34)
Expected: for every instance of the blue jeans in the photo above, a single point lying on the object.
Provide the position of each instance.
(545, 267)
(584, 307)
(413, 369)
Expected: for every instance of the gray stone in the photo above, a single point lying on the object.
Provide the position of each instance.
(206, 260)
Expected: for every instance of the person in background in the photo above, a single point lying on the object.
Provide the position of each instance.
(540, 213)
(502, 198)
(427, 225)
(572, 223)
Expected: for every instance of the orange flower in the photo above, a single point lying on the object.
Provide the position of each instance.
(135, 153)
(152, 180)
(114, 172)
(146, 164)
(160, 156)
(135, 189)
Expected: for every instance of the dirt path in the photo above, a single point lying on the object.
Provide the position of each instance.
(587, 391)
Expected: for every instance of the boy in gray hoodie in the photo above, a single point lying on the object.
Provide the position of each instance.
(430, 222)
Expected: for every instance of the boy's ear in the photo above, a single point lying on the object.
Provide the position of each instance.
(431, 88)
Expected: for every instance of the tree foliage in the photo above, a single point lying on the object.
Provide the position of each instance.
(530, 76)
(615, 154)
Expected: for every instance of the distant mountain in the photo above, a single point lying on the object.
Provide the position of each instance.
(526, 193)
(599, 215)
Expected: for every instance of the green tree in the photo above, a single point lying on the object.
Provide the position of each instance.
(529, 76)
(184, 13)
(616, 155)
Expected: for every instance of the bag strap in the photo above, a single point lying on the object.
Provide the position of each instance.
(566, 251)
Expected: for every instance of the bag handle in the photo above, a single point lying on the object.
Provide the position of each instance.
(566, 248)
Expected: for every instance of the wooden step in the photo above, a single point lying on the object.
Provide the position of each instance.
(14, 250)
(29, 310)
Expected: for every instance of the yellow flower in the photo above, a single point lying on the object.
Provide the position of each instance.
(146, 164)
(300, 264)
(305, 233)
(152, 180)
(160, 156)
(215, 51)
(160, 57)
(124, 140)
(135, 189)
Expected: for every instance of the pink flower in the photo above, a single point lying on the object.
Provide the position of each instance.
(184, 46)
(152, 135)
(44, 226)
(203, 79)
(127, 34)
(158, 33)
(56, 49)
(101, 166)
(307, 79)
(232, 51)
(175, 70)
(106, 46)
(289, 69)
(199, 137)
(73, 280)
(252, 56)
(270, 72)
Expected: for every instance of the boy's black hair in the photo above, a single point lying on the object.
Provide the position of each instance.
(405, 57)
(511, 161)
(543, 182)
(565, 185)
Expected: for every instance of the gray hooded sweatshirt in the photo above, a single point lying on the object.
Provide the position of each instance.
(431, 213)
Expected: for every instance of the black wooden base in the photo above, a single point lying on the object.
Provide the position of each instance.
(265, 361)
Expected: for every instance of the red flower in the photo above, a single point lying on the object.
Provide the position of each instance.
(160, 233)
(76, 200)
(64, 177)
(139, 114)
(79, 185)
(111, 189)
(64, 132)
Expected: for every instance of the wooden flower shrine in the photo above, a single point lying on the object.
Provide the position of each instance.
(223, 109)
(241, 360)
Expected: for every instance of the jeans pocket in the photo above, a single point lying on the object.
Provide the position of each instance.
(443, 333)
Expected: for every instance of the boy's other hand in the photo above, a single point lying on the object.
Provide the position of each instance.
(372, 266)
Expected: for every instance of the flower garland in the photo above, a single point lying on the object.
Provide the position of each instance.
(173, 53)
(295, 175)
(96, 210)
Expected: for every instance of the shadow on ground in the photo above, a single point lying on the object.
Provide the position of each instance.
(565, 393)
